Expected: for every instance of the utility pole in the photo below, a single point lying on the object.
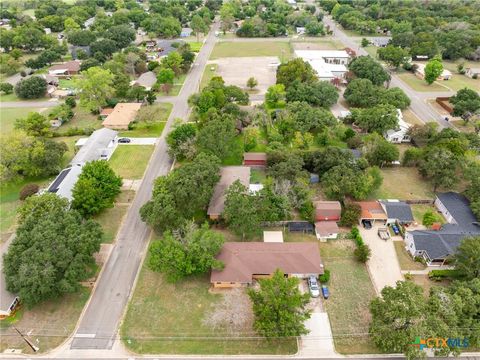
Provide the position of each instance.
(32, 346)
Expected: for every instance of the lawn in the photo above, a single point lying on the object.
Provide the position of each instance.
(459, 81)
(403, 183)
(195, 46)
(254, 48)
(424, 282)
(410, 117)
(209, 72)
(405, 260)
(83, 119)
(48, 324)
(64, 83)
(351, 291)
(157, 116)
(166, 318)
(418, 210)
(9, 115)
(257, 176)
(371, 50)
(418, 84)
(110, 220)
(177, 86)
(130, 161)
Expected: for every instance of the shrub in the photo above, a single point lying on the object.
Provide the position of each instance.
(429, 218)
(28, 190)
(439, 275)
(70, 101)
(362, 253)
(325, 277)
(350, 215)
(6, 88)
(31, 88)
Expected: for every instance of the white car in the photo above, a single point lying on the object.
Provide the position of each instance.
(313, 286)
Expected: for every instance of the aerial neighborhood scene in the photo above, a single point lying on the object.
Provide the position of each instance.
(256, 178)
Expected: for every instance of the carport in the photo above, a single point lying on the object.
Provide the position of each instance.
(373, 212)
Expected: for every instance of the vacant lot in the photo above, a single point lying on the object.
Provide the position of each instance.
(405, 260)
(83, 119)
(320, 44)
(403, 183)
(130, 161)
(351, 291)
(47, 324)
(418, 84)
(209, 72)
(236, 71)
(9, 115)
(169, 319)
(252, 48)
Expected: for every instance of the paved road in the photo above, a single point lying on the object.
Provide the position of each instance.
(32, 104)
(99, 323)
(423, 111)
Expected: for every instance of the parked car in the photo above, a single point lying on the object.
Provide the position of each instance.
(367, 224)
(325, 291)
(313, 286)
(395, 229)
(124, 140)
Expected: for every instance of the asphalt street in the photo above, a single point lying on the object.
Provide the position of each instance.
(100, 321)
(418, 105)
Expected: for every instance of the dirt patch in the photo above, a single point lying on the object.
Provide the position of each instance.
(232, 314)
(236, 71)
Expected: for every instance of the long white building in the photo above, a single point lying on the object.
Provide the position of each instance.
(328, 64)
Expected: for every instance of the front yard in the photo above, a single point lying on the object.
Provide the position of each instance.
(418, 84)
(9, 115)
(165, 318)
(151, 121)
(130, 161)
(404, 259)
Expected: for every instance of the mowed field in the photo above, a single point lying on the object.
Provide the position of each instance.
(223, 49)
(130, 161)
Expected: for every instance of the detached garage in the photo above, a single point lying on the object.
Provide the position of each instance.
(372, 212)
(255, 159)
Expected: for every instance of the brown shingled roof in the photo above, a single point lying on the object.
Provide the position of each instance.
(255, 156)
(372, 210)
(244, 259)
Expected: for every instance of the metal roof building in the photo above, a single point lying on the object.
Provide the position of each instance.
(100, 145)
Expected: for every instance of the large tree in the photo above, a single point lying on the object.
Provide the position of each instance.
(96, 86)
(217, 136)
(295, 69)
(198, 25)
(361, 93)
(52, 250)
(379, 151)
(96, 188)
(122, 35)
(188, 251)
(366, 67)
(318, 93)
(34, 124)
(439, 165)
(181, 141)
(279, 307)
(242, 211)
(466, 103)
(377, 119)
(433, 70)
(467, 258)
(33, 87)
(392, 55)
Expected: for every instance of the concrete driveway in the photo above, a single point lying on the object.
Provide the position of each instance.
(383, 265)
(140, 141)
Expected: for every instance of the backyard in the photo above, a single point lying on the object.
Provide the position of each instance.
(83, 119)
(130, 161)
(47, 324)
(9, 115)
(169, 318)
(418, 84)
(403, 183)
(224, 49)
(150, 121)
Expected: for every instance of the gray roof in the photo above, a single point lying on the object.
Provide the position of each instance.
(458, 206)
(167, 47)
(65, 181)
(398, 210)
(147, 79)
(95, 146)
(436, 244)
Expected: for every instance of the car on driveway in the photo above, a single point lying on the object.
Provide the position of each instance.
(367, 224)
(124, 140)
(325, 291)
(313, 286)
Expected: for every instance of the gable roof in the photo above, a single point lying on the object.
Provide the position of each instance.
(458, 206)
(122, 115)
(255, 156)
(329, 209)
(228, 175)
(324, 228)
(147, 79)
(399, 210)
(436, 244)
(95, 146)
(244, 259)
(70, 66)
(372, 210)
(65, 181)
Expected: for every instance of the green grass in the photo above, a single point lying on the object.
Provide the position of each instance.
(64, 83)
(236, 156)
(405, 260)
(154, 127)
(403, 183)
(371, 50)
(82, 119)
(418, 84)
(351, 291)
(459, 81)
(257, 176)
(177, 86)
(160, 309)
(9, 115)
(418, 210)
(13, 97)
(70, 141)
(195, 46)
(209, 72)
(145, 130)
(130, 161)
(48, 324)
(110, 220)
(257, 48)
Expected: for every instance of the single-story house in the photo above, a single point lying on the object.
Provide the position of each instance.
(147, 80)
(228, 175)
(437, 246)
(246, 261)
(372, 211)
(105, 112)
(65, 181)
(301, 30)
(472, 72)
(99, 146)
(400, 134)
(326, 230)
(273, 236)
(255, 159)
(51, 80)
(327, 210)
(186, 32)
(121, 116)
(328, 64)
(65, 69)
(397, 211)
(165, 46)
(420, 72)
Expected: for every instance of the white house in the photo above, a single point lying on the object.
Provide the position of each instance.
(300, 30)
(400, 134)
(472, 72)
(420, 72)
(328, 64)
